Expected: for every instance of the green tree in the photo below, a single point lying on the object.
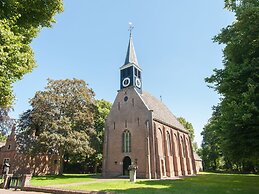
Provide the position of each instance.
(20, 22)
(238, 84)
(211, 152)
(103, 108)
(92, 162)
(187, 125)
(61, 120)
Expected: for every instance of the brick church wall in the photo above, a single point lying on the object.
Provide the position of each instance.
(127, 118)
(173, 152)
(159, 150)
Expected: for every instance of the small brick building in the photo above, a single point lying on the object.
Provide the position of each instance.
(141, 130)
(20, 163)
(198, 162)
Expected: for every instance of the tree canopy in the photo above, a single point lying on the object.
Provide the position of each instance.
(102, 110)
(20, 22)
(61, 120)
(92, 163)
(187, 125)
(237, 120)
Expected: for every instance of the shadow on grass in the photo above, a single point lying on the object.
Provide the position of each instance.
(207, 183)
(145, 191)
(204, 184)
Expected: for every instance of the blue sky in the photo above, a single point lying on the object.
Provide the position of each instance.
(173, 43)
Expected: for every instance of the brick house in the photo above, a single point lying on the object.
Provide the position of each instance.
(20, 163)
(141, 130)
(198, 162)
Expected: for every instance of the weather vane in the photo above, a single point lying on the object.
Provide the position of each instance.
(130, 27)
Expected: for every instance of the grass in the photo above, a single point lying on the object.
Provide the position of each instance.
(206, 183)
(63, 179)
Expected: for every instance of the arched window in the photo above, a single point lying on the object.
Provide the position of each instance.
(160, 142)
(176, 145)
(183, 147)
(147, 124)
(126, 142)
(187, 147)
(169, 144)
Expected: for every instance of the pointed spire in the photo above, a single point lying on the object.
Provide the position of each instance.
(131, 55)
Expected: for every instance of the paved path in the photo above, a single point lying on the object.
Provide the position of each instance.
(101, 181)
(10, 191)
(86, 183)
(104, 180)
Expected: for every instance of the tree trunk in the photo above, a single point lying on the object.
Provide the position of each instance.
(61, 164)
(95, 167)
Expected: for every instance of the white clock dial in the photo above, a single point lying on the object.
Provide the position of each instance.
(126, 82)
(138, 83)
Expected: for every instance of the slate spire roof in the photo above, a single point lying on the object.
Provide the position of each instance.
(131, 54)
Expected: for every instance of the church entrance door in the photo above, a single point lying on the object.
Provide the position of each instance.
(126, 163)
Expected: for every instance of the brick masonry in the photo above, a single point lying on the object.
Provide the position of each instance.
(39, 164)
(158, 149)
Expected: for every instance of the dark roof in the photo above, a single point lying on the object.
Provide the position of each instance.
(160, 111)
(131, 54)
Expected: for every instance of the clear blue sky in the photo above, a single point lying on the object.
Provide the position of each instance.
(172, 40)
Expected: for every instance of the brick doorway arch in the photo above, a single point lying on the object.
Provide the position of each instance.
(126, 163)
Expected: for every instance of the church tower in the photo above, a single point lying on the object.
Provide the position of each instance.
(141, 130)
(130, 72)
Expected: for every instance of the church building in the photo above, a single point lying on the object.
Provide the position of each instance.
(141, 130)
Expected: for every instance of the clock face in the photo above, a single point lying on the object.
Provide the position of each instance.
(126, 82)
(138, 83)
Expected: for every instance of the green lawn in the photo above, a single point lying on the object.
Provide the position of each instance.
(64, 179)
(206, 183)
(209, 183)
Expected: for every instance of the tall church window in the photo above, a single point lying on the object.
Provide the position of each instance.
(187, 147)
(169, 144)
(160, 142)
(183, 147)
(147, 124)
(126, 142)
(176, 147)
(172, 143)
